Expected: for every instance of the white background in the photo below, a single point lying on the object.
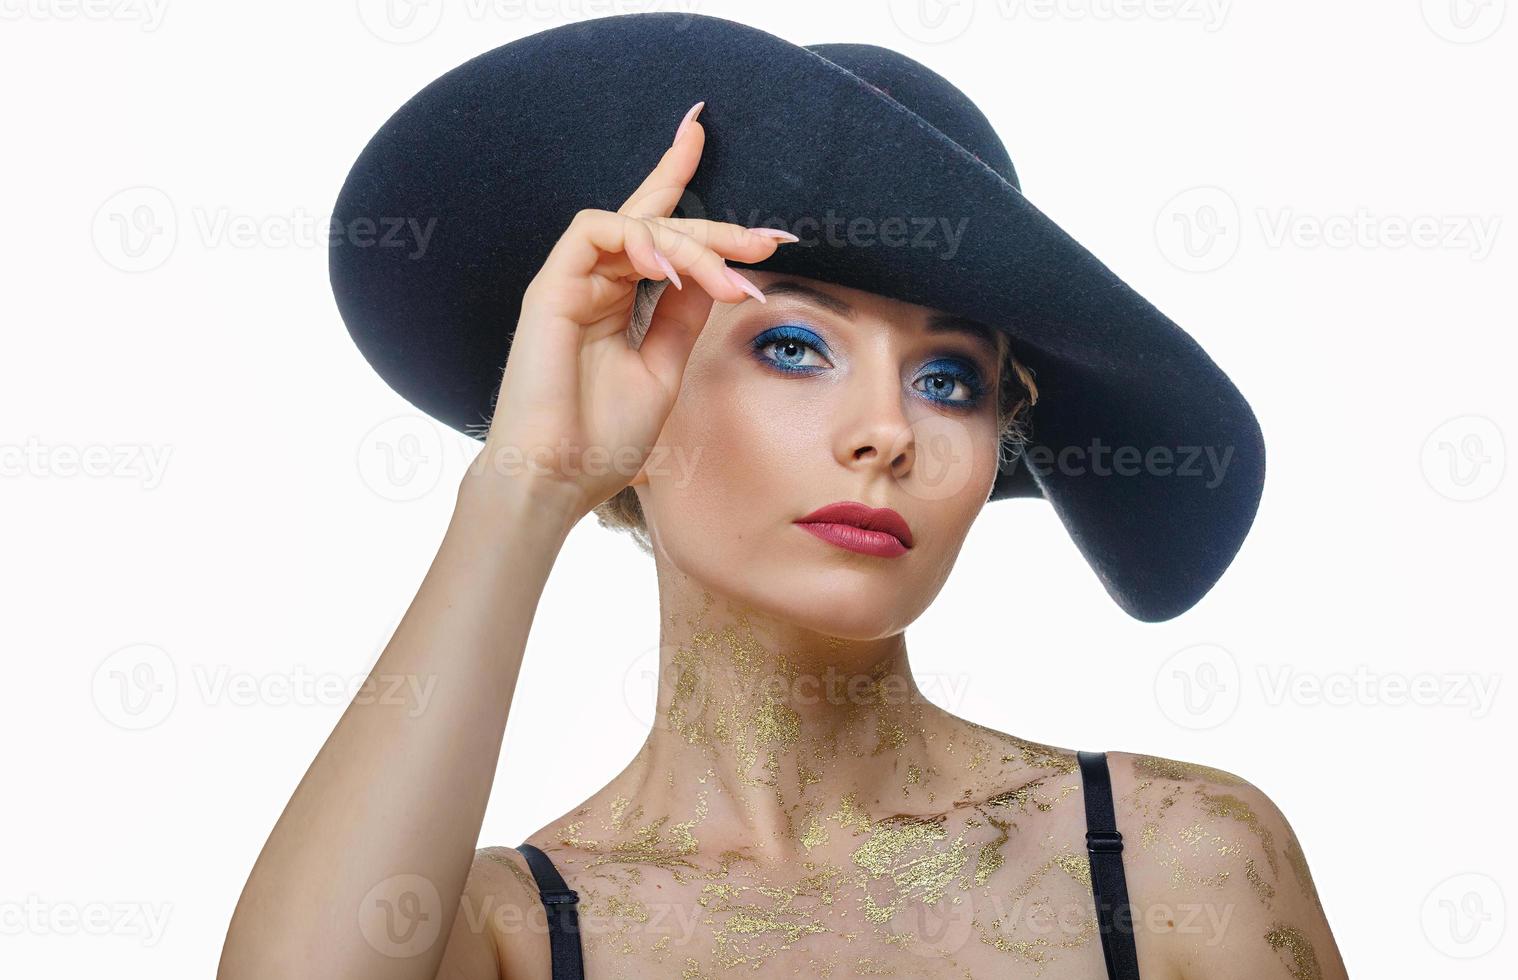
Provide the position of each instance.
(243, 527)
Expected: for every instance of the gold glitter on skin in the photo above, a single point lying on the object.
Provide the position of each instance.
(752, 831)
(1171, 770)
(1260, 885)
(1288, 940)
(1234, 808)
(1297, 862)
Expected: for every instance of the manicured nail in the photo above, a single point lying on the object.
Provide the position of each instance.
(690, 114)
(783, 236)
(669, 270)
(742, 283)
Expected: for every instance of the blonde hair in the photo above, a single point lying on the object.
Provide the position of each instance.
(1016, 394)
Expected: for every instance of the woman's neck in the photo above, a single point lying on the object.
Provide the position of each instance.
(768, 739)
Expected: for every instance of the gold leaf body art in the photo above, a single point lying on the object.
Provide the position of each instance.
(786, 817)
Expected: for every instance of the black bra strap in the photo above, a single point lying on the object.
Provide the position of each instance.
(1109, 886)
(559, 901)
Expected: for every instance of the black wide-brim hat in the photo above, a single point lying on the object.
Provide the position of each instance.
(1149, 454)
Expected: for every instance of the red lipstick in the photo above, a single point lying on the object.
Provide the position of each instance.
(869, 530)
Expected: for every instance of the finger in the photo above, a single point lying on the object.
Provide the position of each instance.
(673, 330)
(729, 239)
(687, 255)
(661, 189)
(597, 240)
(594, 232)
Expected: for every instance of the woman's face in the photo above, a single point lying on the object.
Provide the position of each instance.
(823, 394)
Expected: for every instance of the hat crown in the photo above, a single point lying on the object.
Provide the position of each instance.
(928, 94)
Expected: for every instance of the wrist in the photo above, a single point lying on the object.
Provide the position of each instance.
(541, 504)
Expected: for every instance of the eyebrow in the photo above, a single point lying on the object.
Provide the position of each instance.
(938, 323)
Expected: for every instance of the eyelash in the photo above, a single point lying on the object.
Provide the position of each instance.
(954, 370)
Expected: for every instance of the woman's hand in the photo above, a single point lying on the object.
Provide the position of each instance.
(579, 411)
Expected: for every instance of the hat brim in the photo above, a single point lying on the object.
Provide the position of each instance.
(476, 176)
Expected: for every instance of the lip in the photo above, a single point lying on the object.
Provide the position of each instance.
(858, 527)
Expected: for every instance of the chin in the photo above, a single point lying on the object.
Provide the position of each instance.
(852, 597)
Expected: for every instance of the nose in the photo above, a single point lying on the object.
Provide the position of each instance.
(874, 433)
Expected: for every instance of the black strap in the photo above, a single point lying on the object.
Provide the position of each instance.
(1109, 886)
(559, 901)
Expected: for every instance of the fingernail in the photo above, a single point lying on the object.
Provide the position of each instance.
(690, 114)
(783, 236)
(739, 280)
(669, 270)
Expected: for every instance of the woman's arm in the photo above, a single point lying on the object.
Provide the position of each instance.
(362, 874)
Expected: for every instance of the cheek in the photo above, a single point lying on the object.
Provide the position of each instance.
(745, 444)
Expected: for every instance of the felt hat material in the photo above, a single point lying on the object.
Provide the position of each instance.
(897, 184)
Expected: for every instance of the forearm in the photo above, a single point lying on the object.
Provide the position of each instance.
(401, 784)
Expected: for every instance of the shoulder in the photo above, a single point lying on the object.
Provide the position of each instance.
(1217, 877)
(500, 912)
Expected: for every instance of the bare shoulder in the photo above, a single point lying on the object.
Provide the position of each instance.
(499, 915)
(1216, 875)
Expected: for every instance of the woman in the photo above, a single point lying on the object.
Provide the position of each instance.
(798, 807)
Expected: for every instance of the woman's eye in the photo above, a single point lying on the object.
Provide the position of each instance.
(943, 385)
(791, 349)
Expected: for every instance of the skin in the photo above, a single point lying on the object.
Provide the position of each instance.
(798, 805)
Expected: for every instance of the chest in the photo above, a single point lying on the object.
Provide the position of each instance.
(905, 910)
